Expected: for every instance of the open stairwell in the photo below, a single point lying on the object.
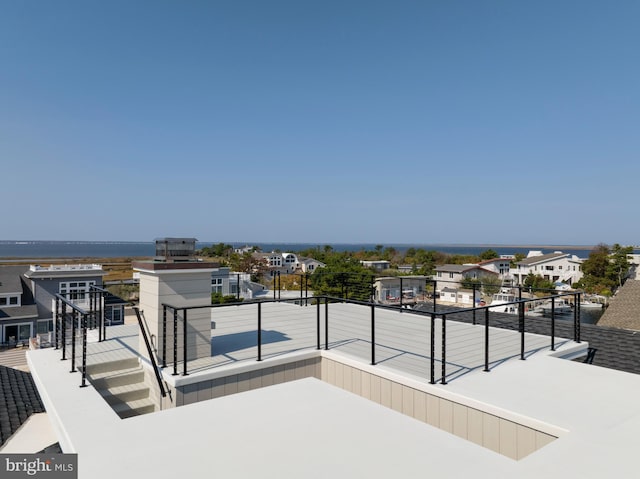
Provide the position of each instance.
(122, 384)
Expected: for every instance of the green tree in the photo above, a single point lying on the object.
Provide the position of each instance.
(596, 264)
(535, 281)
(218, 298)
(516, 259)
(218, 250)
(605, 270)
(491, 284)
(618, 267)
(489, 254)
(247, 263)
(342, 274)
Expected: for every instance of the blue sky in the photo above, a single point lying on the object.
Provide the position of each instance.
(503, 122)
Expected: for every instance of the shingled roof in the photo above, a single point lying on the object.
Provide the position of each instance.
(19, 399)
(616, 348)
(624, 309)
(541, 258)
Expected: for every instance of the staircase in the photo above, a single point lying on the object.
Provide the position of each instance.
(122, 384)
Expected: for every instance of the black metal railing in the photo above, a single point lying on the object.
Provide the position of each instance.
(71, 318)
(150, 352)
(62, 318)
(437, 319)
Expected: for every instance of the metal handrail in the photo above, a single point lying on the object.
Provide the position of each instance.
(83, 321)
(150, 351)
(442, 316)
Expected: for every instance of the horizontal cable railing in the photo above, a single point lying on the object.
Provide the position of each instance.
(436, 344)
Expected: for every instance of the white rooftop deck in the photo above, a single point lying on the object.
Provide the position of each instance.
(307, 428)
(402, 339)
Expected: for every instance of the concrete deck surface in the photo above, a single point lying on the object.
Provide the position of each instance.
(307, 428)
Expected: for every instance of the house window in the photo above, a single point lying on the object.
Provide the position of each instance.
(450, 275)
(9, 301)
(17, 332)
(216, 285)
(75, 291)
(45, 326)
(439, 274)
(560, 267)
(116, 315)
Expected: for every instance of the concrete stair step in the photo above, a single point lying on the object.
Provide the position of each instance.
(111, 379)
(124, 394)
(119, 364)
(134, 408)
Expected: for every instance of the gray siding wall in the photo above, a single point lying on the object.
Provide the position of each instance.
(500, 435)
(44, 291)
(237, 383)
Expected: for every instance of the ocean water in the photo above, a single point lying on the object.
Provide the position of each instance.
(108, 249)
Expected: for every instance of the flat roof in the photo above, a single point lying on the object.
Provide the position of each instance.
(308, 428)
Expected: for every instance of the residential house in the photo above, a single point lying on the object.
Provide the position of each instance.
(458, 296)
(18, 310)
(309, 265)
(244, 249)
(452, 275)
(378, 265)
(501, 266)
(234, 283)
(390, 289)
(283, 263)
(406, 268)
(27, 297)
(554, 267)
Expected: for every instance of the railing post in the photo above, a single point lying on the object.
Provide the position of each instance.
(184, 342)
(519, 293)
(102, 321)
(56, 325)
(444, 349)
(433, 349)
(84, 351)
(238, 287)
(326, 323)
(301, 290)
(73, 341)
(401, 294)
(553, 324)
(486, 340)
(91, 299)
(175, 342)
(435, 283)
(98, 315)
(521, 325)
(318, 323)
(259, 331)
(473, 288)
(63, 325)
(164, 336)
(577, 317)
(306, 289)
(373, 334)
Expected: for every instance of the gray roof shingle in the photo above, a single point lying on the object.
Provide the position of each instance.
(19, 399)
(616, 348)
